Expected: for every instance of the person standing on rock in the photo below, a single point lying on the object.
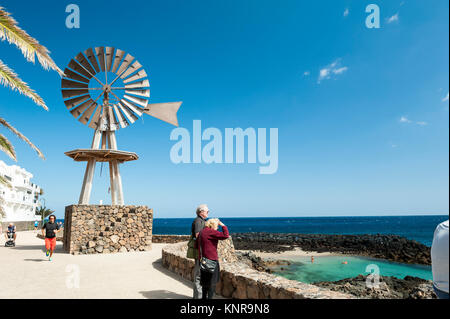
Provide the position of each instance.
(209, 260)
(51, 229)
(439, 260)
(197, 226)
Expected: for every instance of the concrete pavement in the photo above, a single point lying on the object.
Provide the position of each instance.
(27, 273)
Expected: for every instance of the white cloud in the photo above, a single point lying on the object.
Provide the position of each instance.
(404, 119)
(346, 12)
(334, 68)
(392, 19)
(445, 99)
(306, 73)
(340, 70)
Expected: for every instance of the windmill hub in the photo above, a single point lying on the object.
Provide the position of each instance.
(122, 105)
(106, 88)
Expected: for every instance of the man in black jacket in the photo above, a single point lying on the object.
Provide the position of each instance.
(197, 225)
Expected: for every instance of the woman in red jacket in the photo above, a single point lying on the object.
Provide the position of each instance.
(209, 237)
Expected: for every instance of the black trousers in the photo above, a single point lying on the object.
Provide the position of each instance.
(208, 282)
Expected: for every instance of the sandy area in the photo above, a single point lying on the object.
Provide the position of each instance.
(292, 254)
(27, 273)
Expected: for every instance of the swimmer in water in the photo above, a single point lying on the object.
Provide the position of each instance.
(312, 259)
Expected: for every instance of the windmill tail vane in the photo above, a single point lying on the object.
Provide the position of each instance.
(107, 105)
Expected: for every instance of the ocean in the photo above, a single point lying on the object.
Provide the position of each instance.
(330, 268)
(419, 228)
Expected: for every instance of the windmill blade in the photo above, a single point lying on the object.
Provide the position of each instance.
(138, 85)
(131, 69)
(122, 121)
(166, 112)
(69, 84)
(117, 58)
(136, 109)
(100, 53)
(87, 114)
(81, 108)
(95, 121)
(136, 100)
(75, 76)
(70, 103)
(109, 54)
(139, 75)
(71, 93)
(75, 66)
(91, 56)
(143, 93)
(125, 63)
(84, 62)
(128, 113)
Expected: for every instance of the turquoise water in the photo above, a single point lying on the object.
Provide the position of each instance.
(330, 268)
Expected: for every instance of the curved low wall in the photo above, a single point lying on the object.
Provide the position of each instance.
(169, 239)
(239, 281)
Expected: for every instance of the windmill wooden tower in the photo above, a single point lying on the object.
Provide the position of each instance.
(106, 106)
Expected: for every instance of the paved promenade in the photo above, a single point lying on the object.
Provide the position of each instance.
(27, 273)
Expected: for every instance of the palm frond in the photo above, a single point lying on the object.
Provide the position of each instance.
(21, 136)
(5, 182)
(8, 148)
(30, 47)
(2, 213)
(10, 79)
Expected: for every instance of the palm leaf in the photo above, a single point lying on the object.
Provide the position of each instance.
(30, 47)
(7, 147)
(2, 212)
(21, 136)
(11, 80)
(4, 181)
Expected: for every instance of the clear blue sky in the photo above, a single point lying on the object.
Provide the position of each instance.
(372, 138)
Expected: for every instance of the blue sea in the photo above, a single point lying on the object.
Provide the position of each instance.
(329, 268)
(419, 228)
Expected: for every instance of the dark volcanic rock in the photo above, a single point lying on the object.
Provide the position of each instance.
(389, 288)
(258, 263)
(389, 247)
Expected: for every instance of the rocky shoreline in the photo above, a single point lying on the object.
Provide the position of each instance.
(388, 288)
(388, 247)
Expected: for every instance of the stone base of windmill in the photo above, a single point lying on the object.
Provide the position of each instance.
(103, 229)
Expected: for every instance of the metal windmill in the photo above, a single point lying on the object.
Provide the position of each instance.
(107, 106)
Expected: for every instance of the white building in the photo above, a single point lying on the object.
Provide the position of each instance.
(20, 201)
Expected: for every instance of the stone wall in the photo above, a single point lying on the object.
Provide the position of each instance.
(239, 281)
(170, 239)
(102, 229)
